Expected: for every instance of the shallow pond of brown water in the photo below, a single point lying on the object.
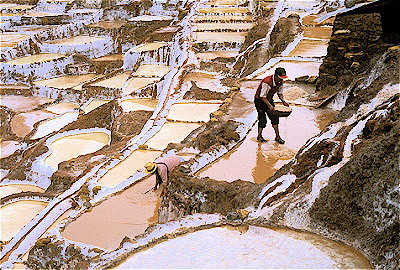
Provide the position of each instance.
(259, 161)
(127, 214)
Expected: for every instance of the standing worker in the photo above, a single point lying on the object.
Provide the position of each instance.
(162, 168)
(264, 102)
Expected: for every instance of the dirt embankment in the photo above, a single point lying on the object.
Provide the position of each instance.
(186, 195)
(354, 46)
(360, 201)
(282, 34)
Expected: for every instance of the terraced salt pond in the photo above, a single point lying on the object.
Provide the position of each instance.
(119, 81)
(6, 190)
(47, 127)
(137, 104)
(173, 132)
(214, 54)
(23, 123)
(323, 32)
(205, 81)
(294, 69)
(65, 82)
(36, 58)
(127, 167)
(263, 160)
(223, 18)
(220, 36)
(16, 215)
(23, 104)
(310, 48)
(7, 148)
(62, 107)
(147, 70)
(223, 10)
(149, 47)
(127, 214)
(223, 26)
(72, 146)
(94, 104)
(249, 248)
(180, 111)
(75, 40)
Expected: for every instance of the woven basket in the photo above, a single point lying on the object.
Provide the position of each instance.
(283, 111)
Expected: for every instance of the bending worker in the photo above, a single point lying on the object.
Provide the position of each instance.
(162, 168)
(264, 102)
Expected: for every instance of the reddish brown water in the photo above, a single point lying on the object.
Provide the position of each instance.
(260, 161)
(127, 214)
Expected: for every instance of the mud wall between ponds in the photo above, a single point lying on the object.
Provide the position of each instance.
(186, 195)
(284, 32)
(354, 46)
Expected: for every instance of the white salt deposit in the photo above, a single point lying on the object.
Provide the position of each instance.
(249, 248)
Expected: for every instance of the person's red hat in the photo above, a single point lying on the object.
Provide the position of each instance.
(281, 73)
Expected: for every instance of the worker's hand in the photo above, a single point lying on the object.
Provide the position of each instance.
(285, 103)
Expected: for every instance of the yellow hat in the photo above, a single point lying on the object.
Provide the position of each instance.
(150, 167)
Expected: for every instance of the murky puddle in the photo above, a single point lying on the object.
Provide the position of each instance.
(127, 167)
(7, 148)
(55, 124)
(310, 48)
(23, 104)
(17, 188)
(262, 160)
(72, 146)
(180, 111)
(36, 58)
(23, 123)
(220, 36)
(127, 214)
(248, 247)
(16, 215)
(138, 104)
(171, 133)
(294, 69)
(62, 107)
(75, 40)
(65, 82)
(223, 26)
(147, 70)
(94, 104)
